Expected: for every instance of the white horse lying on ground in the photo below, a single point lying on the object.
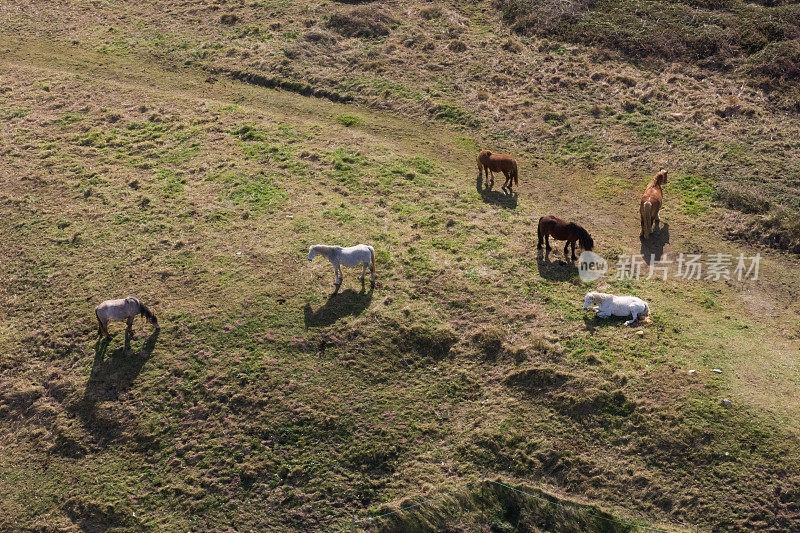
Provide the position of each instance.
(608, 304)
(361, 254)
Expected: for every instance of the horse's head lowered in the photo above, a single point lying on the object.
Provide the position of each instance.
(586, 241)
(148, 315)
(312, 251)
(594, 297)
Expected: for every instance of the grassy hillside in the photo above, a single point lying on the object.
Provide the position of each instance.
(706, 88)
(146, 150)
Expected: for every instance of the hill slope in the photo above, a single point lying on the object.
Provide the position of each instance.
(265, 402)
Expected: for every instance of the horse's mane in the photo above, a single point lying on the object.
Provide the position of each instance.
(323, 249)
(587, 243)
(658, 179)
(146, 312)
(599, 295)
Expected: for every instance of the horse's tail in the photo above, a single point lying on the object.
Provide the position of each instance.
(647, 221)
(372, 259)
(99, 321)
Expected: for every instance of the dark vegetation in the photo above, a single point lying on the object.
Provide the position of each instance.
(500, 508)
(762, 38)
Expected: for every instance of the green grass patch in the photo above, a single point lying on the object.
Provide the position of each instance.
(17, 113)
(255, 191)
(696, 192)
(69, 118)
(455, 115)
(349, 120)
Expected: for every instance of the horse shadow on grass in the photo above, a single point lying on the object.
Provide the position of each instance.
(338, 305)
(558, 270)
(115, 374)
(109, 378)
(490, 196)
(653, 247)
(592, 321)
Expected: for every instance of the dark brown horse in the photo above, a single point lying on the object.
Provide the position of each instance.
(552, 226)
(490, 163)
(651, 202)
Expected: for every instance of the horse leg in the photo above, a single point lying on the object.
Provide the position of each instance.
(634, 318)
(363, 271)
(573, 252)
(547, 242)
(566, 250)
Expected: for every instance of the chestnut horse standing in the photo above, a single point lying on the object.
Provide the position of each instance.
(491, 163)
(651, 202)
(563, 231)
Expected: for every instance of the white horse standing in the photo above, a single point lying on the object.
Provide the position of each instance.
(608, 304)
(361, 254)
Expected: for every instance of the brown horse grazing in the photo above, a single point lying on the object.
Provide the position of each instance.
(491, 163)
(651, 202)
(563, 231)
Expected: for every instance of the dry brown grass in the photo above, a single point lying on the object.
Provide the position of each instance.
(369, 21)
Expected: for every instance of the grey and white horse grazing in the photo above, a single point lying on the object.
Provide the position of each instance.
(123, 309)
(361, 254)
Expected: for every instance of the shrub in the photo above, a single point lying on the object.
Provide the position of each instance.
(229, 18)
(316, 36)
(513, 46)
(554, 118)
(629, 106)
(490, 341)
(348, 120)
(777, 63)
(430, 12)
(362, 21)
(457, 46)
(431, 341)
(716, 31)
(744, 201)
